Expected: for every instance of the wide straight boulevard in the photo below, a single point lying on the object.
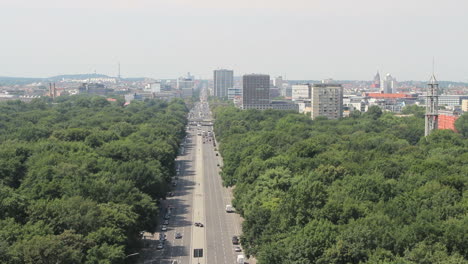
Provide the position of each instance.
(198, 197)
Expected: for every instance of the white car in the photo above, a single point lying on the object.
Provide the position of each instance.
(238, 249)
(164, 228)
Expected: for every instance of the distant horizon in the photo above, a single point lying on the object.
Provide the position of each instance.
(235, 76)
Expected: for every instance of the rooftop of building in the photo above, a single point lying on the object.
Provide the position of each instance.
(331, 85)
(256, 74)
(389, 95)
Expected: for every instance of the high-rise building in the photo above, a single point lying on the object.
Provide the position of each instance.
(186, 85)
(388, 84)
(432, 105)
(256, 91)
(301, 92)
(223, 80)
(287, 90)
(327, 100)
(278, 82)
(376, 82)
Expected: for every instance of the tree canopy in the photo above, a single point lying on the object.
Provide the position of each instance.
(81, 177)
(365, 189)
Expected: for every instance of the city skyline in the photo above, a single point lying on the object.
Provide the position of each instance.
(303, 40)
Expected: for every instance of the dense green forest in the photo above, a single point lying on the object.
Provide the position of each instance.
(80, 177)
(365, 189)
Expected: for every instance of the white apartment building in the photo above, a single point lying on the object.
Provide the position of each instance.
(327, 100)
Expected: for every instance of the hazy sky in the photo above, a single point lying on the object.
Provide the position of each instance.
(299, 39)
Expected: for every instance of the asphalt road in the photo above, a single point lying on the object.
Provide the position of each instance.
(198, 197)
(181, 213)
(221, 226)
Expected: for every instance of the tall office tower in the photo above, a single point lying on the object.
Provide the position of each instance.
(301, 92)
(278, 83)
(287, 90)
(388, 84)
(327, 100)
(186, 85)
(432, 105)
(223, 80)
(255, 91)
(376, 82)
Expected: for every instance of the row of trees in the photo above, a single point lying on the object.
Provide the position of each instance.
(80, 177)
(365, 189)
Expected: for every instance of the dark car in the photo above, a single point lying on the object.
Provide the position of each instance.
(216, 154)
(198, 224)
(178, 235)
(235, 240)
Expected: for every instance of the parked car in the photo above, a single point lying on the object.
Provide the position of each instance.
(198, 224)
(166, 222)
(178, 235)
(164, 228)
(238, 249)
(160, 246)
(235, 240)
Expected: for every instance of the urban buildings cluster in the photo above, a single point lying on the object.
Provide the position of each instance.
(330, 99)
(327, 98)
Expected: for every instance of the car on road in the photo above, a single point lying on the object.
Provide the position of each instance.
(164, 228)
(178, 235)
(166, 222)
(238, 249)
(235, 240)
(162, 236)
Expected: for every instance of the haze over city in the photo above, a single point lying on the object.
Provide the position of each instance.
(242, 131)
(345, 40)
